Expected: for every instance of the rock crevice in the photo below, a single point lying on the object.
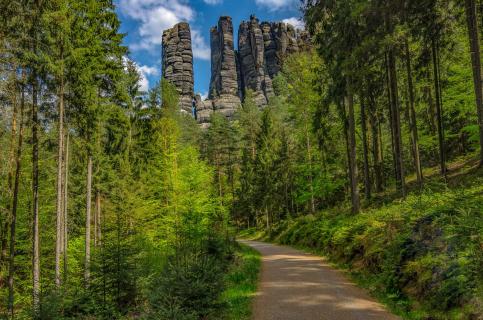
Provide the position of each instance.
(224, 85)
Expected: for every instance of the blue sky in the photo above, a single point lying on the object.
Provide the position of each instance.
(145, 20)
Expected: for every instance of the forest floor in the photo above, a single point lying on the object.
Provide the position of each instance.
(296, 285)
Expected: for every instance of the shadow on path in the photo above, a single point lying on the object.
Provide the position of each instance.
(299, 286)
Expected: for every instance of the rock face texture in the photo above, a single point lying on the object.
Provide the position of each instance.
(251, 56)
(204, 109)
(177, 62)
(262, 48)
(224, 84)
(280, 40)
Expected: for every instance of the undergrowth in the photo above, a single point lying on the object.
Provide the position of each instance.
(423, 256)
(241, 284)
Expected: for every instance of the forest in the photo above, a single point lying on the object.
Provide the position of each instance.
(116, 205)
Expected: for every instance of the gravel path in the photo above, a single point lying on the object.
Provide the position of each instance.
(298, 286)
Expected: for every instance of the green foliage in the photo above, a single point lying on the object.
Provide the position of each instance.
(424, 249)
(188, 287)
(241, 283)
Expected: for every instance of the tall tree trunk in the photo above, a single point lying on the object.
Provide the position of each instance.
(11, 173)
(35, 200)
(349, 102)
(311, 179)
(367, 176)
(412, 120)
(376, 148)
(60, 164)
(66, 208)
(99, 221)
(396, 123)
(88, 221)
(381, 153)
(439, 108)
(95, 219)
(473, 36)
(391, 119)
(18, 158)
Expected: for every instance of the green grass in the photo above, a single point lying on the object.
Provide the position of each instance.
(241, 284)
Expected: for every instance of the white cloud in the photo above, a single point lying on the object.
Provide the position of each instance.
(155, 16)
(204, 96)
(144, 72)
(213, 2)
(149, 71)
(201, 49)
(296, 22)
(274, 5)
(143, 84)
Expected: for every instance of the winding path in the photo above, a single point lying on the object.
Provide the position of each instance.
(299, 286)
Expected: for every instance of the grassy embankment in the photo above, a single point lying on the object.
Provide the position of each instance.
(241, 284)
(421, 256)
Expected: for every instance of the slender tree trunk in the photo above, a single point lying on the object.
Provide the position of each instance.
(381, 154)
(99, 220)
(396, 123)
(412, 120)
(35, 200)
(376, 149)
(367, 176)
(13, 222)
(11, 173)
(391, 119)
(349, 101)
(66, 208)
(60, 164)
(473, 36)
(88, 221)
(95, 219)
(311, 179)
(439, 108)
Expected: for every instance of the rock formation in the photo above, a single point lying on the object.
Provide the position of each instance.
(280, 40)
(224, 85)
(262, 47)
(204, 109)
(177, 62)
(251, 56)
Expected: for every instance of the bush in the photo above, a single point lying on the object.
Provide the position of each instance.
(189, 286)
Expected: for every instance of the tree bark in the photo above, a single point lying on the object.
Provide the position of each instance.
(59, 213)
(99, 221)
(66, 208)
(391, 119)
(349, 101)
(412, 120)
(396, 123)
(439, 108)
(376, 147)
(35, 200)
(311, 178)
(11, 173)
(18, 158)
(88, 222)
(367, 176)
(474, 40)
